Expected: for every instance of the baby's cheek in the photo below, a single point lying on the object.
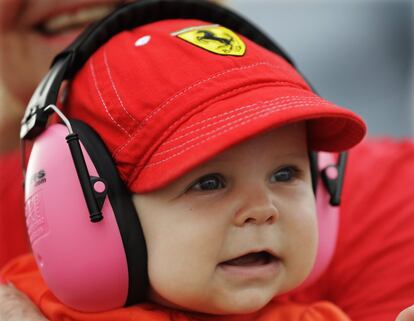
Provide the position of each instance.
(162, 278)
(307, 243)
(301, 236)
(171, 276)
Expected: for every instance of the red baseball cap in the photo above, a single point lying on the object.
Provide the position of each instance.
(167, 96)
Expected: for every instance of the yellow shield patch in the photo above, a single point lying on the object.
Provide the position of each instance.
(214, 38)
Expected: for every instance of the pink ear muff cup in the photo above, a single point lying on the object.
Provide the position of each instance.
(328, 224)
(83, 263)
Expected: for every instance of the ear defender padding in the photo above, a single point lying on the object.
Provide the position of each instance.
(88, 266)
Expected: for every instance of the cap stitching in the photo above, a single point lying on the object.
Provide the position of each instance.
(221, 120)
(297, 99)
(260, 107)
(114, 87)
(300, 98)
(183, 91)
(260, 115)
(92, 70)
(233, 110)
(201, 81)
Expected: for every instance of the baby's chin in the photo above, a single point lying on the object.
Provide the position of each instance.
(242, 304)
(218, 305)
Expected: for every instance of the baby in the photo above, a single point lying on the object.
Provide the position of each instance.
(211, 134)
(236, 230)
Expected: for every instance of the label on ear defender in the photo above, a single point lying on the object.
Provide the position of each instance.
(35, 218)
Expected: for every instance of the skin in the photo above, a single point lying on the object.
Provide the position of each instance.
(407, 314)
(16, 306)
(260, 198)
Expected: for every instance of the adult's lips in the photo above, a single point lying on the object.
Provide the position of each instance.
(73, 19)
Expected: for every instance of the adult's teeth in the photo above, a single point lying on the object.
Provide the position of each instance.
(75, 19)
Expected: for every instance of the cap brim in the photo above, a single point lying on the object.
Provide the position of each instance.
(240, 117)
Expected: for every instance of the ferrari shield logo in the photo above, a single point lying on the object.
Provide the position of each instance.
(214, 38)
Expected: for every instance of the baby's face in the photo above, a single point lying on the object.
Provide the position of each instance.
(236, 231)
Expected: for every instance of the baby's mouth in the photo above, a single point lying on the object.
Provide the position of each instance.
(251, 259)
(253, 266)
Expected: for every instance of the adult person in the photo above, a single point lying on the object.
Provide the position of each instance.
(371, 285)
(31, 33)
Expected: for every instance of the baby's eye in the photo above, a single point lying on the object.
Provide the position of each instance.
(285, 174)
(208, 183)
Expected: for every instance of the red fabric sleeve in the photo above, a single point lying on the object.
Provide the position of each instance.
(371, 276)
(22, 272)
(13, 237)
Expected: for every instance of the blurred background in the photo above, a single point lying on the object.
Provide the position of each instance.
(356, 53)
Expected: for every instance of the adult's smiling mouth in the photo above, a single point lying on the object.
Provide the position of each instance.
(73, 20)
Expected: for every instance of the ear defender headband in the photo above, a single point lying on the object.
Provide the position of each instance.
(83, 227)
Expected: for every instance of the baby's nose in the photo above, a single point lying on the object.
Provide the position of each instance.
(257, 208)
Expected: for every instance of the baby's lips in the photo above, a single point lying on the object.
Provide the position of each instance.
(252, 257)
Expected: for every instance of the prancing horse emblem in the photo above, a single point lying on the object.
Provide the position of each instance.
(214, 38)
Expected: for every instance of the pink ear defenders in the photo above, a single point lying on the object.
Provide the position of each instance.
(83, 227)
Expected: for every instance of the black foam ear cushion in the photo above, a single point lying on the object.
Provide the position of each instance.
(314, 169)
(124, 210)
